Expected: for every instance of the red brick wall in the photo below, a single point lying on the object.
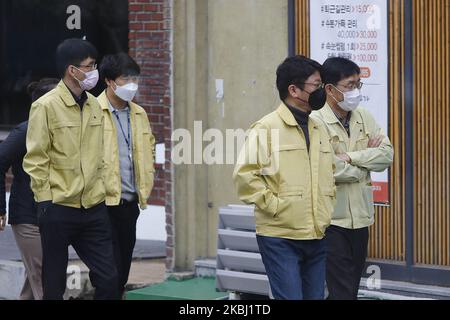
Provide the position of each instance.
(150, 45)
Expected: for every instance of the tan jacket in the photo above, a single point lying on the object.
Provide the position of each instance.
(293, 190)
(64, 158)
(354, 208)
(143, 154)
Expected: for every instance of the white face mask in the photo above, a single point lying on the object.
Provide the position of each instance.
(351, 100)
(91, 80)
(126, 92)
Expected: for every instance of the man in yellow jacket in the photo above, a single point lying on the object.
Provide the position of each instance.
(65, 163)
(128, 147)
(286, 170)
(361, 147)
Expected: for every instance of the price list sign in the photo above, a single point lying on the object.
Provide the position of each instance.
(357, 30)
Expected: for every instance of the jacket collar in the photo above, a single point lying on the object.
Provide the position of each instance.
(104, 104)
(328, 114)
(103, 101)
(286, 115)
(330, 117)
(66, 95)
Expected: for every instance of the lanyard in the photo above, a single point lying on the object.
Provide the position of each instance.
(127, 138)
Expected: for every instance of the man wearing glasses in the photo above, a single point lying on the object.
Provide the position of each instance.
(286, 170)
(129, 145)
(360, 147)
(65, 162)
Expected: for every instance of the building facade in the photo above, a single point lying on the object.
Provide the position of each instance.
(211, 63)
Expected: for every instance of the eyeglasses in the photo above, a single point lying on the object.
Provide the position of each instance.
(317, 85)
(89, 67)
(353, 86)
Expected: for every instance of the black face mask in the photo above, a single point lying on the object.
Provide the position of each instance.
(317, 99)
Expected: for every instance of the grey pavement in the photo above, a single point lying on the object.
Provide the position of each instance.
(144, 249)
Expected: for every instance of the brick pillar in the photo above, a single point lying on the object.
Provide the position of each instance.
(150, 44)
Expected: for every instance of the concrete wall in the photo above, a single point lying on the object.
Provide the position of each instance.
(241, 42)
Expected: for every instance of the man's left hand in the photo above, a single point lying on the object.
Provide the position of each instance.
(344, 157)
(375, 142)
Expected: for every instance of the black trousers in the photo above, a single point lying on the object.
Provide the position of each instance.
(346, 258)
(89, 232)
(123, 222)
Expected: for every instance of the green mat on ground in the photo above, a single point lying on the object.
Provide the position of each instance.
(191, 289)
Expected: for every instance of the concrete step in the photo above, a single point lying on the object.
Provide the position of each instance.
(205, 268)
(389, 290)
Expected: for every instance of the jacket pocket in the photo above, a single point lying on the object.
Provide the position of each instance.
(65, 135)
(292, 212)
(363, 141)
(64, 124)
(338, 144)
(96, 130)
(290, 163)
(326, 205)
(62, 178)
(341, 208)
(96, 122)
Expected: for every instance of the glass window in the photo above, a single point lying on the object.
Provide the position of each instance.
(30, 31)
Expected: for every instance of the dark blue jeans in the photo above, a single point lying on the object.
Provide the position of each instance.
(296, 268)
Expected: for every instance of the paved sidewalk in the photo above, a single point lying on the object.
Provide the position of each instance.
(144, 249)
(144, 272)
(148, 267)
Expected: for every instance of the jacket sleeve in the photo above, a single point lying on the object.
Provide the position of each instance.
(347, 173)
(37, 162)
(11, 150)
(374, 159)
(249, 175)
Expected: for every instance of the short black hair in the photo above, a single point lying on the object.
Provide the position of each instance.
(39, 88)
(295, 71)
(73, 52)
(121, 64)
(337, 69)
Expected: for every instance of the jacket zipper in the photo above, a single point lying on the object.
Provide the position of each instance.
(81, 159)
(316, 227)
